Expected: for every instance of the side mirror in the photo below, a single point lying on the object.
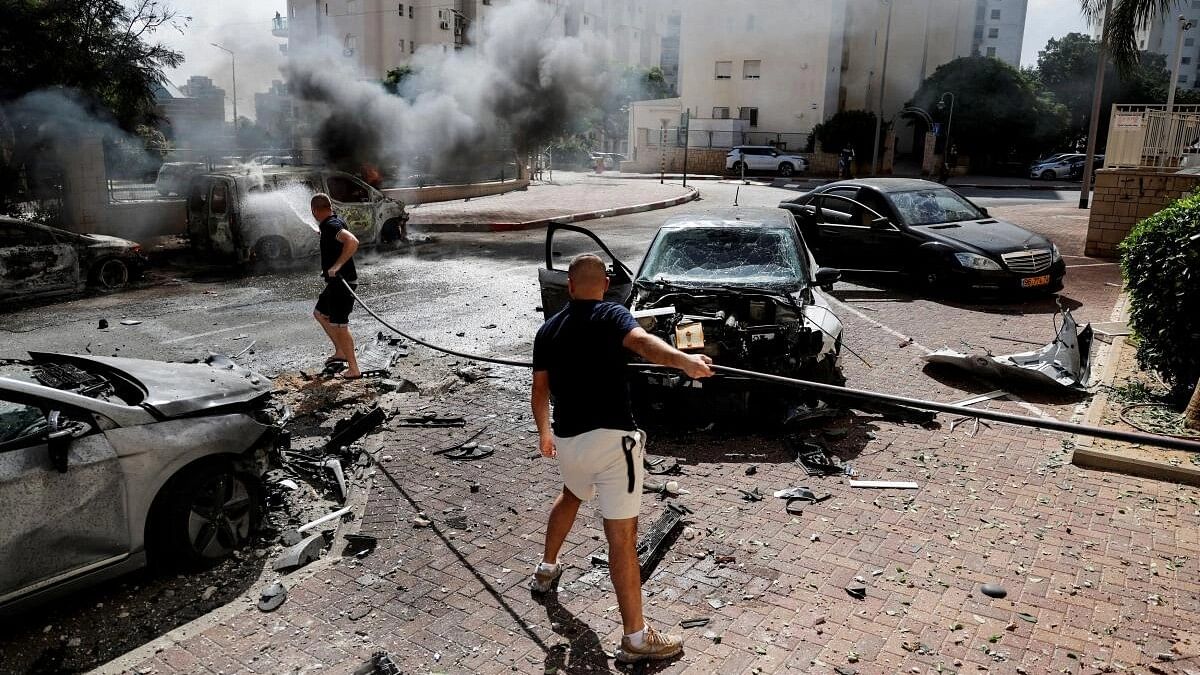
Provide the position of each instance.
(826, 277)
(984, 212)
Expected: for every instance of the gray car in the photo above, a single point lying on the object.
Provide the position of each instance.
(108, 462)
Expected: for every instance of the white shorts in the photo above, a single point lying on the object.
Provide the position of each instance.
(596, 465)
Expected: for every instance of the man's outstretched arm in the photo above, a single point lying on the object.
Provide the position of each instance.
(655, 350)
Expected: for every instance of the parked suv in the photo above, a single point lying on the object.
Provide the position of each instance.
(1055, 166)
(764, 158)
(264, 216)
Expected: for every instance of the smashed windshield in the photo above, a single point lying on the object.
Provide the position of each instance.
(726, 255)
(933, 206)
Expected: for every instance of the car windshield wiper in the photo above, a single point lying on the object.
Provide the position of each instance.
(781, 292)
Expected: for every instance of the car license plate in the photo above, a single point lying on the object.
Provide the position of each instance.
(1031, 282)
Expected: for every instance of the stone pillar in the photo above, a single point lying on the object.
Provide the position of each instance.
(85, 184)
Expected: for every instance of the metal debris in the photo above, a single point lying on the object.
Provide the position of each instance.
(352, 428)
(359, 545)
(694, 623)
(380, 664)
(272, 597)
(885, 484)
(324, 519)
(650, 546)
(993, 590)
(857, 591)
(300, 554)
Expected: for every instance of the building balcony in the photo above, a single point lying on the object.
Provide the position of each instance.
(279, 27)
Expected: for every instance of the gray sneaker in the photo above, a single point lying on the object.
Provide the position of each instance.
(544, 578)
(656, 646)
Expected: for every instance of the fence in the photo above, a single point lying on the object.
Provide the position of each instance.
(1146, 136)
(703, 138)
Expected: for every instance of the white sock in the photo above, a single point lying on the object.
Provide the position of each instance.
(548, 567)
(637, 639)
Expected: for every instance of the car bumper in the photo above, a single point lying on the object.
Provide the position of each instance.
(1049, 280)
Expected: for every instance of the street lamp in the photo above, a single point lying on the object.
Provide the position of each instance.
(887, 41)
(949, 122)
(233, 61)
(1184, 26)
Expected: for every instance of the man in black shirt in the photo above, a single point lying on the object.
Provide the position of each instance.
(580, 357)
(338, 245)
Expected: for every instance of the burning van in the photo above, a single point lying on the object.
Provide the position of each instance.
(262, 215)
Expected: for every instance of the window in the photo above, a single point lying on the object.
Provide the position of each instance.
(351, 45)
(344, 189)
(750, 23)
(749, 114)
(751, 70)
(1185, 60)
(401, 45)
(20, 425)
(412, 46)
(1183, 79)
(1189, 42)
(410, 11)
(220, 200)
(351, 7)
(587, 20)
(993, 33)
(991, 52)
(721, 113)
(724, 70)
(995, 15)
(402, 10)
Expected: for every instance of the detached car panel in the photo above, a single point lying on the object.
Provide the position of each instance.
(103, 461)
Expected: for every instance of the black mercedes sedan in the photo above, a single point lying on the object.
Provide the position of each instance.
(927, 231)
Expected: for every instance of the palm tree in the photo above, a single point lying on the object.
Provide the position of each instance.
(1124, 21)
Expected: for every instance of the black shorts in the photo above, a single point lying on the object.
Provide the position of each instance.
(335, 302)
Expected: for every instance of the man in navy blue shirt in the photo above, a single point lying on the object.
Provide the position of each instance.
(580, 358)
(338, 245)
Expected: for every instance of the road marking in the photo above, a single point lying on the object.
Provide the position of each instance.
(1092, 265)
(212, 332)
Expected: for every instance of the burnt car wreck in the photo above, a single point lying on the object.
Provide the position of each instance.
(40, 261)
(108, 462)
(738, 285)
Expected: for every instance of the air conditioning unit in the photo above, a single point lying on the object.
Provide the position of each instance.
(348, 51)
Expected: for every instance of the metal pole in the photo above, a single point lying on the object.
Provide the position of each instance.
(687, 133)
(1184, 25)
(949, 124)
(233, 61)
(662, 164)
(1085, 190)
(887, 41)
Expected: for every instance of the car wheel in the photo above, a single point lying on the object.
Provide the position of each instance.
(207, 512)
(786, 169)
(1049, 174)
(111, 274)
(390, 232)
(272, 250)
(739, 167)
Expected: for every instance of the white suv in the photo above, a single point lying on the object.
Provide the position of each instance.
(764, 158)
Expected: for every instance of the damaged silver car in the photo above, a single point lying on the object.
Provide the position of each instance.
(736, 284)
(108, 462)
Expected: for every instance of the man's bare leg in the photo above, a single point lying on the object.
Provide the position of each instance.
(344, 342)
(328, 328)
(562, 517)
(625, 571)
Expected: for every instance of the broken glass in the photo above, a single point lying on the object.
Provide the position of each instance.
(725, 254)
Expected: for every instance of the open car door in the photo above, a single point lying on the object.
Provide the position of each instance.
(553, 280)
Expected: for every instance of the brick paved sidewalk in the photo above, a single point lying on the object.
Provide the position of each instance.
(1100, 569)
(569, 194)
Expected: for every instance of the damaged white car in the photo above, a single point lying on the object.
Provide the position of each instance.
(105, 462)
(736, 284)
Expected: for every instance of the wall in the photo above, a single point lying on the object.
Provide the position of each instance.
(708, 161)
(446, 193)
(1125, 196)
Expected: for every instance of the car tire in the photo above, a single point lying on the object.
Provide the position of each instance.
(738, 167)
(390, 232)
(272, 250)
(203, 514)
(786, 169)
(1048, 174)
(110, 274)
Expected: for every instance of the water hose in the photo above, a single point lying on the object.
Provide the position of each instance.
(1156, 440)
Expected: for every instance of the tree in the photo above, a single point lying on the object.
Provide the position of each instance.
(1000, 113)
(393, 82)
(1123, 23)
(1067, 68)
(855, 128)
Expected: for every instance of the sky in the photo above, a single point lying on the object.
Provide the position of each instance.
(243, 26)
(1047, 19)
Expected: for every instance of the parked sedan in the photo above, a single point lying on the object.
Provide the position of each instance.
(36, 260)
(104, 461)
(925, 230)
(1056, 166)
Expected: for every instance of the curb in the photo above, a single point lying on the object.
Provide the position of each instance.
(1036, 187)
(654, 176)
(691, 195)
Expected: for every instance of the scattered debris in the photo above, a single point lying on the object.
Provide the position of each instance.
(324, 519)
(755, 495)
(272, 597)
(993, 590)
(694, 623)
(103, 324)
(352, 428)
(359, 545)
(300, 554)
(813, 457)
(1064, 362)
(130, 322)
(1027, 617)
(334, 467)
(651, 467)
(431, 421)
(885, 484)
(801, 494)
(380, 664)
(359, 612)
(650, 546)
(420, 522)
(999, 393)
(857, 591)
(751, 470)
(667, 489)
(1018, 341)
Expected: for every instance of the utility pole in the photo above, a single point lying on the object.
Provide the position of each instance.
(687, 133)
(1184, 26)
(1085, 190)
(887, 41)
(233, 61)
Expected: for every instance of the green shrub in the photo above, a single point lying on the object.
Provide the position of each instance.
(1161, 262)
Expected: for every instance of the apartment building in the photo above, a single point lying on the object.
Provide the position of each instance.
(379, 35)
(1162, 37)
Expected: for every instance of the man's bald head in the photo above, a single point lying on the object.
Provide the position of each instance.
(587, 278)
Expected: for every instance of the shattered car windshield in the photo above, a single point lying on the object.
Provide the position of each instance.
(726, 254)
(933, 207)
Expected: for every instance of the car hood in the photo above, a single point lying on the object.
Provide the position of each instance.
(179, 389)
(986, 236)
(105, 241)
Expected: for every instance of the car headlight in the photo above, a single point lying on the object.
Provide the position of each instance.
(972, 261)
(1054, 254)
